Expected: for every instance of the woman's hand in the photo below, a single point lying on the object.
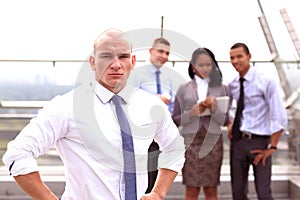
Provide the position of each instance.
(211, 103)
(197, 109)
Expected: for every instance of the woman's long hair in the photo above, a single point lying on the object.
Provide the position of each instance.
(215, 76)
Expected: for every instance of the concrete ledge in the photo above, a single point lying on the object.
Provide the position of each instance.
(285, 183)
(294, 187)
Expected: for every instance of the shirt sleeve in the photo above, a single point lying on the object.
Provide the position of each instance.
(171, 143)
(277, 114)
(35, 139)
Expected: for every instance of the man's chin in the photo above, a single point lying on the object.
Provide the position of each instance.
(119, 85)
(158, 65)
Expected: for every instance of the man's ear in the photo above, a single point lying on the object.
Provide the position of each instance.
(133, 61)
(92, 62)
(249, 56)
(150, 50)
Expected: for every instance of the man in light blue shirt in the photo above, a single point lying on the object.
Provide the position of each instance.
(145, 76)
(157, 79)
(260, 120)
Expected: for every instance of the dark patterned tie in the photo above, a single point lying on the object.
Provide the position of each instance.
(236, 133)
(128, 151)
(158, 85)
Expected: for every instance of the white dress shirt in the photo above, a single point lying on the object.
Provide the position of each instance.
(264, 112)
(144, 77)
(83, 126)
(202, 88)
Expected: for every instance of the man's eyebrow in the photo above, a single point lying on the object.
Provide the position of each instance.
(105, 52)
(163, 50)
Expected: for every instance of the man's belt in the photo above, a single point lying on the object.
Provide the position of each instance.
(249, 136)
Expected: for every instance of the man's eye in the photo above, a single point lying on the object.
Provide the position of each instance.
(125, 56)
(106, 56)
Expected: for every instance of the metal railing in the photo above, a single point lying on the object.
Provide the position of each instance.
(40, 104)
(18, 105)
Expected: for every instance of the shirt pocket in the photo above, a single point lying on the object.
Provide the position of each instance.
(253, 99)
(143, 132)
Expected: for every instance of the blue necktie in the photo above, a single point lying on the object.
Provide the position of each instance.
(128, 151)
(158, 85)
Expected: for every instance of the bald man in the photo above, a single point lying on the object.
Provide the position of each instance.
(83, 125)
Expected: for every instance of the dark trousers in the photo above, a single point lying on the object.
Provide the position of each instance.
(240, 161)
(153, 153)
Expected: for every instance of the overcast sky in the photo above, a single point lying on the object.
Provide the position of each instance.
(62, 29)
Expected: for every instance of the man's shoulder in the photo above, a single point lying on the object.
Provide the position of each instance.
(143, 66)
(60, 104)
(173, 75)
(263, 78)
(138, 94)
(233, 81)
(167, 68)
(138, 70)
(78, 92)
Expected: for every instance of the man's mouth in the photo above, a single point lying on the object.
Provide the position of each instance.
(116, 74)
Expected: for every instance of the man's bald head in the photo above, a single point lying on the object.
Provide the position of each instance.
(111, 34)
(112, 60)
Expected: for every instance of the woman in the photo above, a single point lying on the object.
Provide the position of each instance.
(196, 110)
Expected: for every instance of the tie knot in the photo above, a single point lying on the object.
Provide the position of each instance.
(117, 99)
(157, 72)
(242, 79)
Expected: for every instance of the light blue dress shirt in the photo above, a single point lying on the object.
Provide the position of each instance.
(264, 112)
(144, 77)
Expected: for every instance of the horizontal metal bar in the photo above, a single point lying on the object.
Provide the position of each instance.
(23, 104)
(173, 61)
(16, 116)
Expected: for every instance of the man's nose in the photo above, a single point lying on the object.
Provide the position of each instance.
(116, 63)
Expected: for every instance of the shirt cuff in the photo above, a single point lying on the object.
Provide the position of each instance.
(276, 126)
(24, 166)
(177, 167)
(173, 161)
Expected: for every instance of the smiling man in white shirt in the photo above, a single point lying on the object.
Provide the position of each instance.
(84, 128)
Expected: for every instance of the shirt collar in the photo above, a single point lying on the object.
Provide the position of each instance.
(152, 69)
(105, 95)
(250, 74)
(201, 80)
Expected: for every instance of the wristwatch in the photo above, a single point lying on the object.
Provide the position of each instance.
(272, 147)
